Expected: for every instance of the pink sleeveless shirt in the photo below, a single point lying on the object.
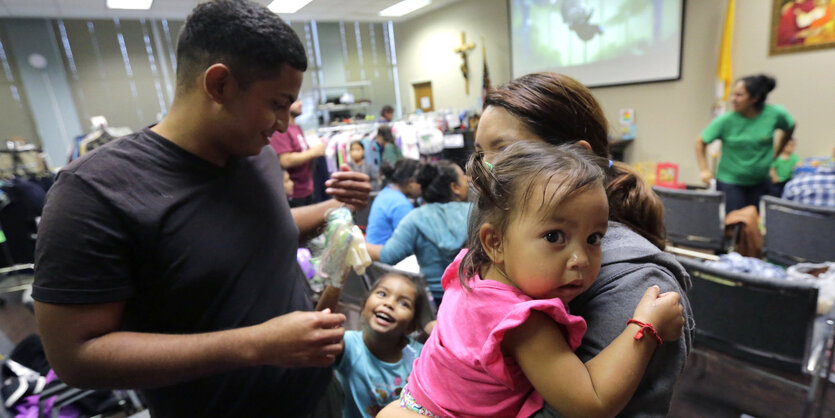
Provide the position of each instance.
(461, 371)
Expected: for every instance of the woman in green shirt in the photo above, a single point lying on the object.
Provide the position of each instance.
(748, 136)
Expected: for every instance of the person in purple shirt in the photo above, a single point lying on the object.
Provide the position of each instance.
(297, 156)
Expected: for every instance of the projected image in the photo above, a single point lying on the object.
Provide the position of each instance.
(599, 42)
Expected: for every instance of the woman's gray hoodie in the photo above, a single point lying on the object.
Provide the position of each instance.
(630, 265)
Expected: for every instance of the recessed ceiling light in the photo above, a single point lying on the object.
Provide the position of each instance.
(287, 6)
(129, 4)
(404, 7)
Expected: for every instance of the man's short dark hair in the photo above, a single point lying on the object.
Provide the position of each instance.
(245, 36)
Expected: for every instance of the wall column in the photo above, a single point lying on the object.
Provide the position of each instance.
(47, 89)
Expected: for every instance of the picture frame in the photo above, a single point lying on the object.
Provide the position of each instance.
(802, 25)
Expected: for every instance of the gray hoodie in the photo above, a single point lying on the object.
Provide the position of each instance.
(630, 265)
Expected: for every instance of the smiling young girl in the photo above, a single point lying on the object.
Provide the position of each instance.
(377, 360)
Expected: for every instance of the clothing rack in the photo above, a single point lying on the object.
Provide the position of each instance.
(348, 127)
(338, 139)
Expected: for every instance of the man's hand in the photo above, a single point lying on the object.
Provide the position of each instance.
(301, 339)
(349, 187)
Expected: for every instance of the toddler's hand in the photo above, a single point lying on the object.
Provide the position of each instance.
(663, 311)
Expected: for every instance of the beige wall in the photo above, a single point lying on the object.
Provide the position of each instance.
(805, 81)
(670, 115)
(425, 52)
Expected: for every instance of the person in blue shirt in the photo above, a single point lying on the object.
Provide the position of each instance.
(378, 359)
(392, 203)
(434, 232)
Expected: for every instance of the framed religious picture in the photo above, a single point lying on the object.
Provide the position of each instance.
(802, 25)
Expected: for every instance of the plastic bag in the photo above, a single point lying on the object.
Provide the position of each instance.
(821, 275)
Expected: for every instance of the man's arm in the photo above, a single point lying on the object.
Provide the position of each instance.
(85, 346)
(294, 159)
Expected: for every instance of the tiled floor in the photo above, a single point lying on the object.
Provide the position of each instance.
(718, 386)
(16, 321)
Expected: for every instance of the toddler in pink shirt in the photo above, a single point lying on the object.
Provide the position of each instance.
(504, 340)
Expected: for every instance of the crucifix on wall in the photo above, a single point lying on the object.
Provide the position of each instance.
(463, 49)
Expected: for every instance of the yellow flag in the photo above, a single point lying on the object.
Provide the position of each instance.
(723, 71)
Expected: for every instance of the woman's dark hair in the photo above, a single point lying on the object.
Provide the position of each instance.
(402, 172)
(435, 181)
(421, 300)
(384, 131)
(633, 203)
(246, 36)
(503, 190)
(555, 107)
(561, 110)
(759, 86)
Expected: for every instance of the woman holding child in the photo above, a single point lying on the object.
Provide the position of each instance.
(557, 110)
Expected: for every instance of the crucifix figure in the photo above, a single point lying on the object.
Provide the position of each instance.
(463, 49)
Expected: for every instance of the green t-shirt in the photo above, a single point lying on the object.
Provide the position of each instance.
(392, 153)
(747, 143)
(785, 167)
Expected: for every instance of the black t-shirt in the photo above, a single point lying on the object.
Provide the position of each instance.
(191, 247)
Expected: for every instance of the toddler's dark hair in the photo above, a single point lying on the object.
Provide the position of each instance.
(521, 169)
(561, 110)
(357, 142)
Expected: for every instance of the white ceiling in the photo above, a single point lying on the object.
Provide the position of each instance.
(322, 10)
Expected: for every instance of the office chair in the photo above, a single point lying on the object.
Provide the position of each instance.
(797, 232)
(695, 218)
(763, 323)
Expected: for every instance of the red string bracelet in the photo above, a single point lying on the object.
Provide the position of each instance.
(645, 327)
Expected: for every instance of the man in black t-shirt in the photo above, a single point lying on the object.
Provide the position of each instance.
(166, 259)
